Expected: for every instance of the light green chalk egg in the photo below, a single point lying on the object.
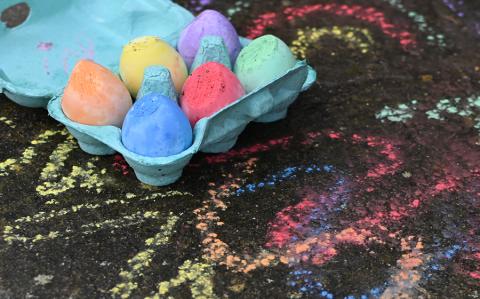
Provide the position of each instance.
(262, 61)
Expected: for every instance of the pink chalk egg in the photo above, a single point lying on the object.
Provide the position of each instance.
(211, 87)
(208, 23)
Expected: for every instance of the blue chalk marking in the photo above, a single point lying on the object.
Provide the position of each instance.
(328, 168)
(449, 254)
(375, 292)
(285, 174)
(441, 259)
(307, 282)
(251, 187)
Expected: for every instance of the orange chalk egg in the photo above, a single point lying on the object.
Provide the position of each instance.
(95, 96)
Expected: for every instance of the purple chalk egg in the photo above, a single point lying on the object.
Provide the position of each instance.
(208, 23)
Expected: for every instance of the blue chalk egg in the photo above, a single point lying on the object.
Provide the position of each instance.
(155, 126)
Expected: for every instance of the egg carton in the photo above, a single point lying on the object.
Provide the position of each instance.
(25, 80)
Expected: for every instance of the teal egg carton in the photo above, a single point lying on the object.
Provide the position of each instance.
(215, 134)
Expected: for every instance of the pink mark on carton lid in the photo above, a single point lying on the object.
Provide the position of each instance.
(44, 46)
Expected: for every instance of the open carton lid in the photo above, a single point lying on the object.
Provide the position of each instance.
(38, 55)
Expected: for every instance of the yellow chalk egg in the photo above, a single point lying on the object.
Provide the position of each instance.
(146, 51)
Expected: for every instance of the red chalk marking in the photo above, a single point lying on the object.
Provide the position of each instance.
(379, 170)
(415, 203)
(257, 148)
(367, 14)
(390, 152)
(475, 275)
(334, 135)
(388, 149)
(445, 185)
(287, 221)
(311, 137)
(261, 23)
(120, 164)
(474, 259)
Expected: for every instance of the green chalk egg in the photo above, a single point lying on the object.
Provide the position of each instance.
(262, 61)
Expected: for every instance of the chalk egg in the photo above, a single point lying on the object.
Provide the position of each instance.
(209, 88)
(208, 23)
(146, 51)
(155, 126)
(95, 96)
(262, 61)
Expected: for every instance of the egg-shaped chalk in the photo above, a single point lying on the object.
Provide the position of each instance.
(155, 126)
(209, 22)
(147, 51)
(212, 48)
(262, 61)
(211, 87)
(157, 79)
(95, 96)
